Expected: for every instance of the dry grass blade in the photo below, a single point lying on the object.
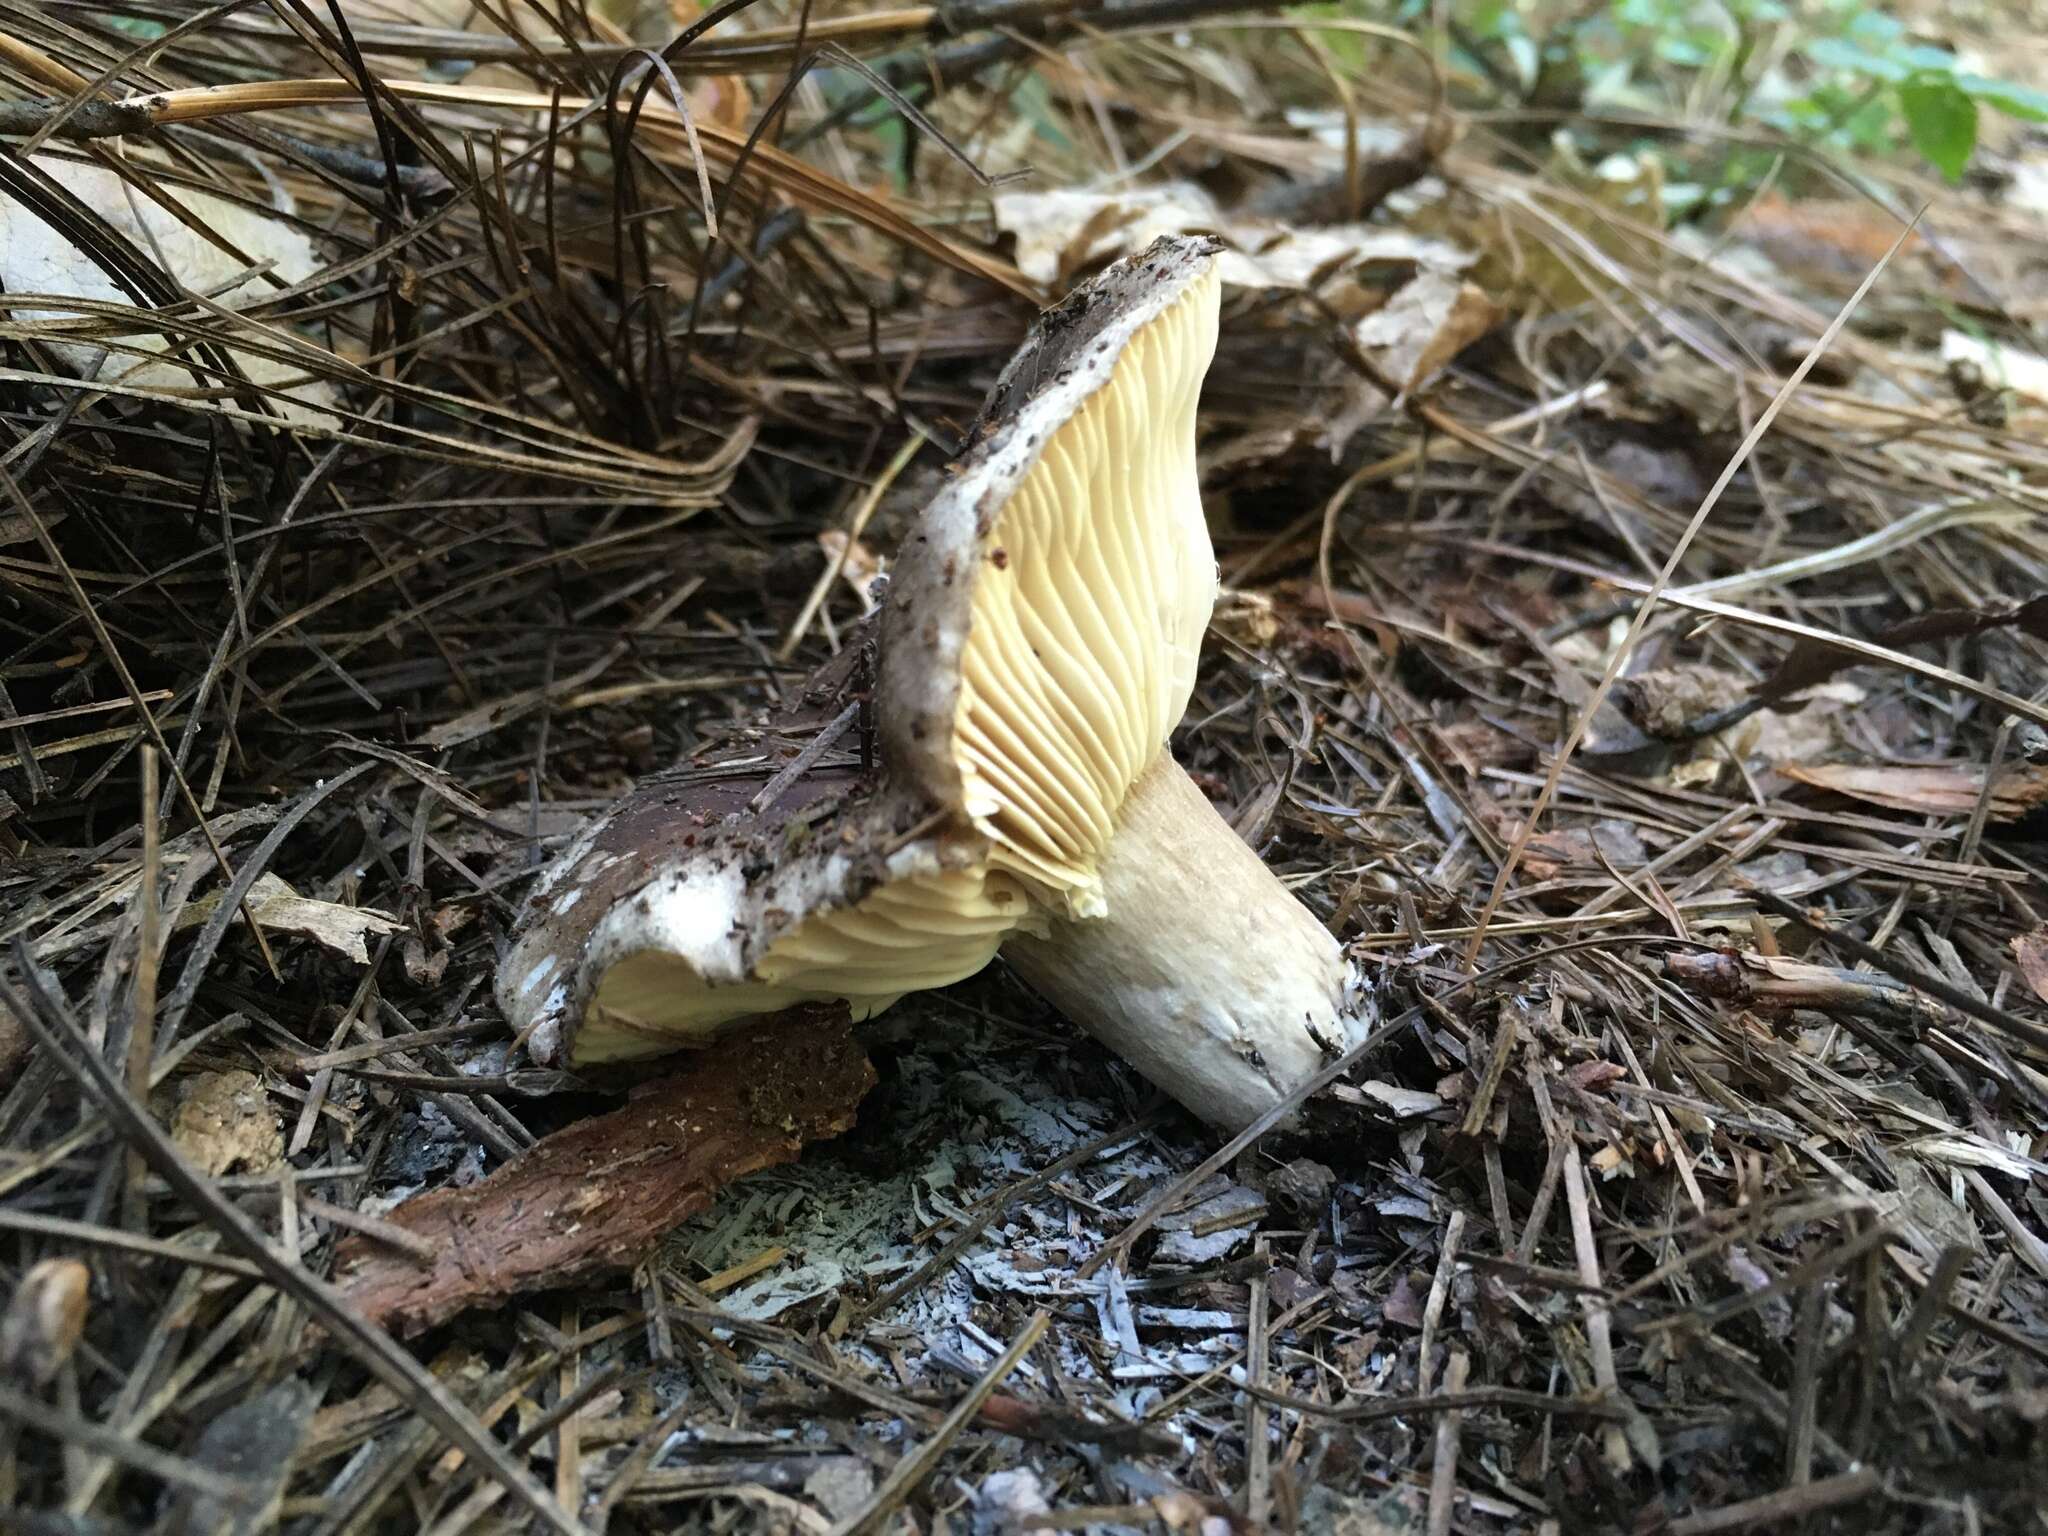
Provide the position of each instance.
(1657, 590)
(385, 1359)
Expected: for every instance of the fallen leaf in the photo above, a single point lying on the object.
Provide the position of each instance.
(2032, 951)
(16, 529)
(250, 1448)
(1592, 1076)
(225, 1121)
(2000, 365)
(1951, 789)
(1609, 1162)
(1834, 244)
(14, 1042)
(1402, 1305)
(1404, 1103)
(44, 1320)
(38, 258)
(1801, 730)
(1585, 848)
(858, 568)
(842, 1485)
(1429, 321)
(277, 907)
(721, 99)
(1665, 701)
(1060, 233)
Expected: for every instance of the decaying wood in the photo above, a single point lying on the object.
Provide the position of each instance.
(1773, 984)
(598, 1195)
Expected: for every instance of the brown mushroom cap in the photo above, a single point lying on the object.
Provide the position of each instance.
(1038, 646)
(692, 905)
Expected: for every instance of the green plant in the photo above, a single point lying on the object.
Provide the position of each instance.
(1937, 100)
(1839, 74)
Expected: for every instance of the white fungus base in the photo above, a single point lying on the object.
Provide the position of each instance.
(1206, 974)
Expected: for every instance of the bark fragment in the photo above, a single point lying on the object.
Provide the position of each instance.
(599, 1194)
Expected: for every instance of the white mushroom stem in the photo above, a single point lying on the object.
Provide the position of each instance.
(1205, 973)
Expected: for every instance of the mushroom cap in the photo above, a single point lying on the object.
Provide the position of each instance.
(688, 907)
(1038, 646)
(1043, 624)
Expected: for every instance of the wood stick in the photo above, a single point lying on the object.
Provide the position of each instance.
(599, 1194)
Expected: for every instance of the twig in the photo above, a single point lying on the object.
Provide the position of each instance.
(913, 1469)
(1783, 1509)
(600, 1193)
(1599, 1321)
(1370, 1410)
(1443, 1472)
(1998, 1018)
(142, 1015)
(1433, 1308)
(1258, 1450)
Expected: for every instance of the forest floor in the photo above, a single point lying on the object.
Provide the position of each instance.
(394, 470)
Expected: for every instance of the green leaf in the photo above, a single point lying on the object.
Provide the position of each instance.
(1942, 120)
(1834, 53)
(1925, 60)
(1874, 29)
(2021, 101)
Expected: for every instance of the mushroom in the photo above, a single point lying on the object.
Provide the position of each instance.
(1038, 646)
(773, 874)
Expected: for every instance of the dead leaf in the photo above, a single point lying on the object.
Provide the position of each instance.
(225, 1121)
(1665, 701)
(1592, 1076)
(277, 907)
(250, 1448)
(721, 99)
(422, 968)
(36, 257)
(1945, 789)
(16, 529)
(1609, 1162)
(1999, 365)
(858, 569)
(1405, 1103)
(1611, 842)
(1428, 322)
(1060, 233)
(44, 1320)
(1832, 245)
(14, 1042)
(1248, 618)
(2031, 949)
(1402, 1305)
(1798, 732)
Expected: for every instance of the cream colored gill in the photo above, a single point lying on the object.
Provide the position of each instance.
(1088, 617)
(926, 930)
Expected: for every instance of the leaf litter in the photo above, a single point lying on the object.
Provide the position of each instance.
(478, 480)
